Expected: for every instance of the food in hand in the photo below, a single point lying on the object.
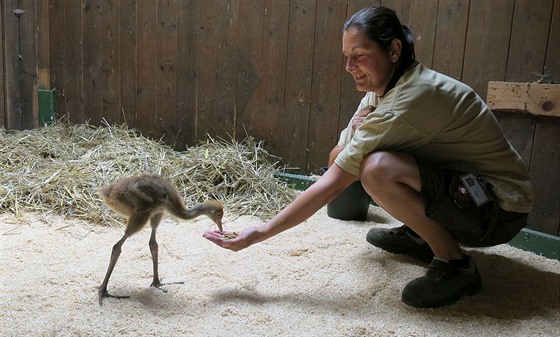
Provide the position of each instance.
(232, 235)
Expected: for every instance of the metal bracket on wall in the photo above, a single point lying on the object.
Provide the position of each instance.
(47, 111)
(18, 11)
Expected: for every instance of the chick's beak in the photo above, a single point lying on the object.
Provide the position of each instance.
(219, 223)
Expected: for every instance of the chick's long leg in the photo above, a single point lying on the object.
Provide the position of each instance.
(135, 223)
(116, 252)
(154, 222)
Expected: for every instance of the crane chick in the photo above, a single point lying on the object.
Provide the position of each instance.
(146, 198)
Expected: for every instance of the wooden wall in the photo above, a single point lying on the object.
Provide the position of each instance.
(271, 69)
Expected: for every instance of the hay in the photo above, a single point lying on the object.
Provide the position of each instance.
(58, 169)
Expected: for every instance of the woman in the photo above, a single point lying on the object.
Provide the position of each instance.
(421, 144)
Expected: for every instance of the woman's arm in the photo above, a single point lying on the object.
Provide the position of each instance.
(304, 206)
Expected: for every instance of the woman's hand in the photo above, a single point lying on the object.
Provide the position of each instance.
(243, 240)
(360, 115)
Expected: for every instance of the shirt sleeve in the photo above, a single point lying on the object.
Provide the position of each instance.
(382, 130)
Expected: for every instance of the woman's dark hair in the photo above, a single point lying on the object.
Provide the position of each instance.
(381, 25)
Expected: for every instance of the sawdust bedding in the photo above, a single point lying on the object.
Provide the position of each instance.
(318, 279)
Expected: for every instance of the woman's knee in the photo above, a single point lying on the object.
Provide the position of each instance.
(387, 167)
(376, 166)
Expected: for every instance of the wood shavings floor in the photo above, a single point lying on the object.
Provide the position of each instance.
(318, 279)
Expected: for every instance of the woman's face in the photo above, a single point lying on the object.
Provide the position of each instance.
(370, 66)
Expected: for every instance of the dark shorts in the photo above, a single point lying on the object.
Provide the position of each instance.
(483, 226)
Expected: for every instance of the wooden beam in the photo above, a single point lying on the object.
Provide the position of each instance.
(43, 61)
(536, 98)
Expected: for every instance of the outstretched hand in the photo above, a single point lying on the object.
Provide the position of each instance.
(243, 240)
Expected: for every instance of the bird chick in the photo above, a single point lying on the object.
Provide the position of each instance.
(146, 198)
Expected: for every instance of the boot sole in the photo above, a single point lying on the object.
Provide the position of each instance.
(469, 291)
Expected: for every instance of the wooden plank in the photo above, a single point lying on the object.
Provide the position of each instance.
(72, 88)
(28, 62)
(298, 82)
(328, 65)
(552, 62)
(402, 7)
(451, 33)
(93, 59)
(529, 35)
(127, 62)
(146, 67)
(212, 28)
(3, 115)
(226, 76)
(355, 5)
(423, 26)
(12, 66)
(110, 56)
(43, 76)
(486, 53)
(57, 62)
(247, 49)
(544, 168)
(166, 76)
(545, 163)
(187, 35)
(272, 92)
(518, 129)
(536, 98)
(526, 58)
(207, 53)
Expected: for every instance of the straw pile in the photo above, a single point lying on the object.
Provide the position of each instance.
(58, 169)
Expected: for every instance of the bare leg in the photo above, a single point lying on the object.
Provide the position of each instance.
(154, 250)
(393, 181)
(114, 257)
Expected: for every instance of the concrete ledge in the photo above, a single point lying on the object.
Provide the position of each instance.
(537, 242)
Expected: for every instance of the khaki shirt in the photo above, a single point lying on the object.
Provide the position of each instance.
(437, 118)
